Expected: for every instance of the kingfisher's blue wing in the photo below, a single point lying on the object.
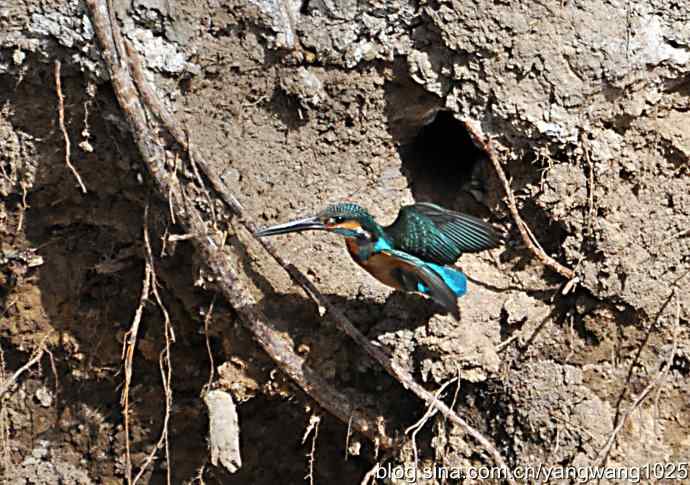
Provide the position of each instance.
(407, 272)
(439, 235)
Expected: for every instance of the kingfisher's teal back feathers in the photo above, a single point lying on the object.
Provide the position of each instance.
(412, 254)
(439, 235)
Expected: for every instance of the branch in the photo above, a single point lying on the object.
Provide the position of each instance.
(61, 121)
(546, 260)
(7, 384)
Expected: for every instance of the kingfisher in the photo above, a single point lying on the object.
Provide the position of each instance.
(415, 254)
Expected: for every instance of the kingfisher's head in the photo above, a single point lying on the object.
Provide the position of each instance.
(347, 219)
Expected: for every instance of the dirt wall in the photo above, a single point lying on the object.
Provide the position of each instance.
(295, 106)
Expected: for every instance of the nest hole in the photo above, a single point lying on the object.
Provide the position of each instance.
(443, 165)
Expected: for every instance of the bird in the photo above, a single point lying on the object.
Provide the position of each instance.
(415, 253)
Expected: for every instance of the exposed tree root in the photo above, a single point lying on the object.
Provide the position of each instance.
(430, 412)
(130, 342)
(540, 254)
(7, 384)
(164, 363)
(61, 121)
(313, 429)
(207, 320)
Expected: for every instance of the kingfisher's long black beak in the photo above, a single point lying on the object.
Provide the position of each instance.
(306, 224)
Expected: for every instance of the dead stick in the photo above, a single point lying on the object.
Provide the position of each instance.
(129, 344)
(547, 260)
(12, 380)
(164, 362)
(61, 121)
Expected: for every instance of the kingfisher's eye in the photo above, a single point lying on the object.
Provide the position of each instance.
(335, 220)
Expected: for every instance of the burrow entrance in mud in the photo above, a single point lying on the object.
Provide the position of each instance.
(439, 159)
(442, 163)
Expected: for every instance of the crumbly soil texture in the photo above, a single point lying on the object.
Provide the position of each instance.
(296, 105)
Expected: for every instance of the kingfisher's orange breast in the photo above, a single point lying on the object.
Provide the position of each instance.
(379, 265)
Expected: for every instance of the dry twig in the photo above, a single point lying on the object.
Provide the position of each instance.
(164, 363)
(546, 260)
(313, 429)
(500, 347)
(35, 358)
(128, 356)
(207, 320)
(61, 120)
(428, 414)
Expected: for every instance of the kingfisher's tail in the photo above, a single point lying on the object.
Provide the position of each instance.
(443, 284)
(454, 278)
